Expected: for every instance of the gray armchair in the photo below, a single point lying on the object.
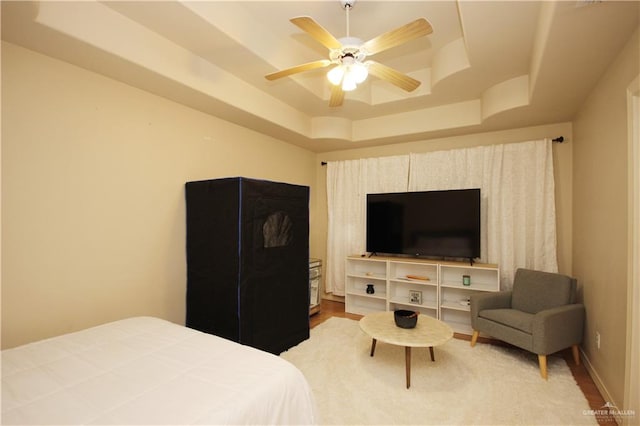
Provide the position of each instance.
(539, 315)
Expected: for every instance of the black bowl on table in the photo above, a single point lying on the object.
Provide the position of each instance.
(405, 318)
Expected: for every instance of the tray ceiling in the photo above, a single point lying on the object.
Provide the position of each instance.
(486, 66)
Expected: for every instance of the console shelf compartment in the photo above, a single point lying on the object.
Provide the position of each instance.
(431, 287)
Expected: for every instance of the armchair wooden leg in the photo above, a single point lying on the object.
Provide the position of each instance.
(542, 360)
(474, 338)
(576, 354)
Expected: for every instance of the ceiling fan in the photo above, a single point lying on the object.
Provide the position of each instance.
(348, 54)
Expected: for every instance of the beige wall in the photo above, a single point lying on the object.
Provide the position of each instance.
(562, 170)
(600, 225)
(93, 202)
(93, 212)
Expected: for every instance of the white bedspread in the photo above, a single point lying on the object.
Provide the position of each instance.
(149, 371)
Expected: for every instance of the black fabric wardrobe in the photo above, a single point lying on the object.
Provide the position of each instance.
(248, 261)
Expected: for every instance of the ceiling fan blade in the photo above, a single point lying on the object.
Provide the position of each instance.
(337, 96)
(418, 28)
(384, 72)
(297, 69)
(317, 31)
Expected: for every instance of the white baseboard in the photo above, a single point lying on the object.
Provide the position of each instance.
(606, 395)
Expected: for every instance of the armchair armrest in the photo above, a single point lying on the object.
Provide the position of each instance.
(482, 301)
(558, 328)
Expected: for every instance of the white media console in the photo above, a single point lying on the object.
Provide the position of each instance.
(432, 287)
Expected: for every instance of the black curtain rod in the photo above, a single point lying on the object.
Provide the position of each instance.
(559, 139)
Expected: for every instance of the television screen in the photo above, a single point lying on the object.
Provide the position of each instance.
(427, 223)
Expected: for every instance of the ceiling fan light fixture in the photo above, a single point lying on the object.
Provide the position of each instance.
(335, 75)
(349, 75)
(359, 72)
(350, 72)
(348, 83)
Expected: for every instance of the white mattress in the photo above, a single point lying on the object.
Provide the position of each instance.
(149, 371)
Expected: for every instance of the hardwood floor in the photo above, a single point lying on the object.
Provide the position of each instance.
(330, 309)
(592, 394)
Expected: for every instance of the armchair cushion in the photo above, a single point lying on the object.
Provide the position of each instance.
(482, 301)
(513, 318)
(535, 291)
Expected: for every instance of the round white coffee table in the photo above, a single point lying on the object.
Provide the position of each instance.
(429, 332)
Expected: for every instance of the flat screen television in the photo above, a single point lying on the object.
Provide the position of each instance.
(432, 224)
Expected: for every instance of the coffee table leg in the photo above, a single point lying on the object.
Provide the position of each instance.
(407, 356)
(433, 358)
(373, 346)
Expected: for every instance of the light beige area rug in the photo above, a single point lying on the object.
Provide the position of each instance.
(485, 385)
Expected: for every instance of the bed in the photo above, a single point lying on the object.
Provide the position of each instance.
(146, 370)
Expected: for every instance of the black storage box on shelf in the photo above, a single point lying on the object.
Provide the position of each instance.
(248, 261)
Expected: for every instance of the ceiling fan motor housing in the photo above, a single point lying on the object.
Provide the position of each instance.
(351, 46)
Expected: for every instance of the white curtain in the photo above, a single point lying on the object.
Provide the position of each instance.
(348, 182)
(518, 201)
(518, 224)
